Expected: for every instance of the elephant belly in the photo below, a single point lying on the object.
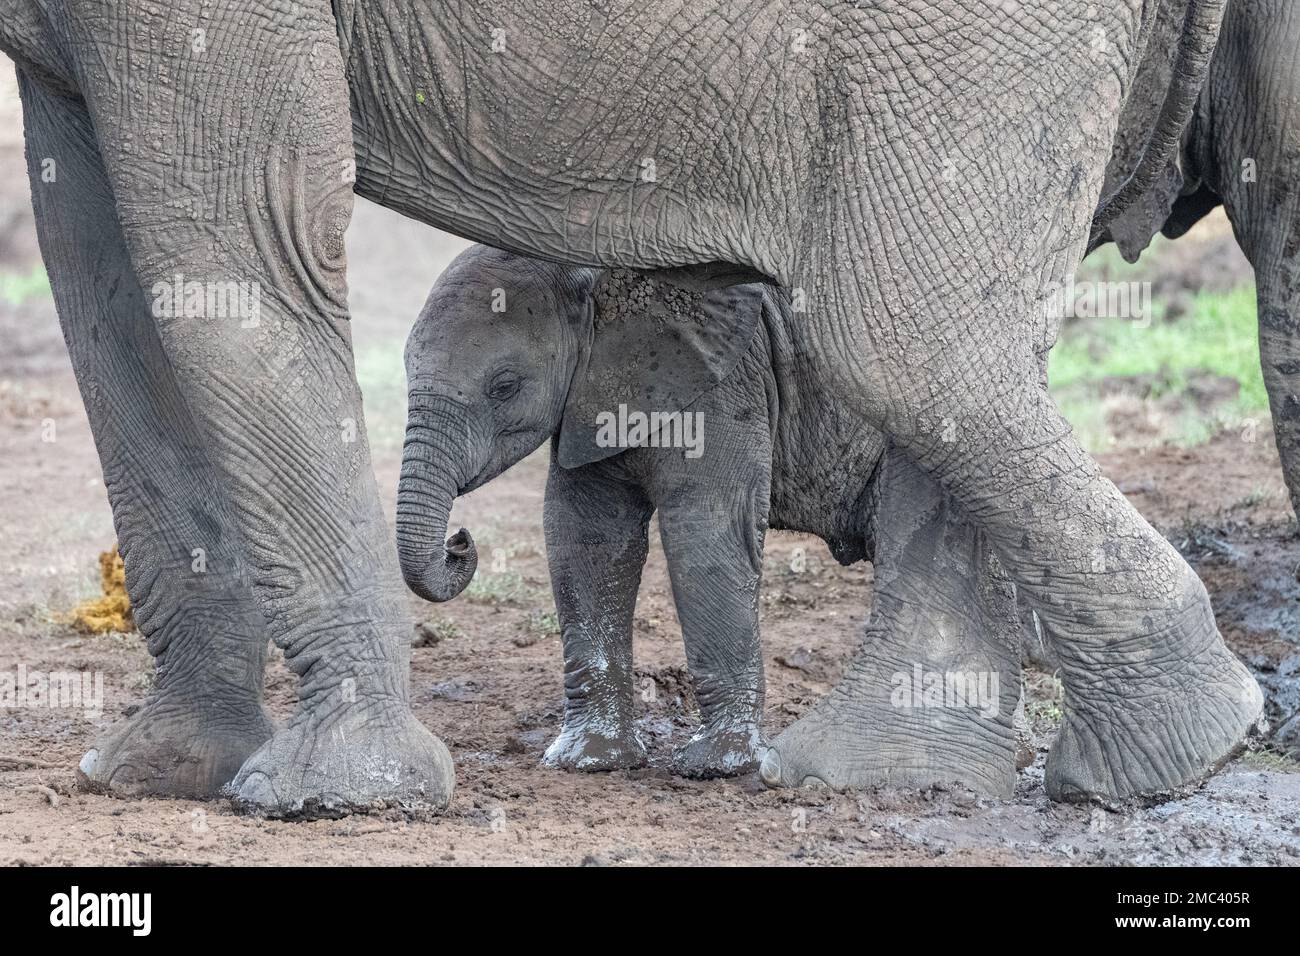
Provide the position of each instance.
(619, 133)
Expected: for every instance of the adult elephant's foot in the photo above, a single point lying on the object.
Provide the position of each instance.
(370, 756)
(903, 725)
(1147, 718)
(725, 751)
(593, 745)
(175, 747)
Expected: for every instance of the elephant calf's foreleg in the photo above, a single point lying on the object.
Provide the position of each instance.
(596, 546)
(189, 595)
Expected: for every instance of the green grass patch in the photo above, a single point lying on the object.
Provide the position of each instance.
(501, 587)
(1043, 699)
(1218, 336)
(17, 288)
(544, 623)
(1270, 760)
(381, 373)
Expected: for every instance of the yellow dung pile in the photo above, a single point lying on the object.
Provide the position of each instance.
(112, 611)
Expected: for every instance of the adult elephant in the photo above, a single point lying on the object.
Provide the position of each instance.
(915, 170)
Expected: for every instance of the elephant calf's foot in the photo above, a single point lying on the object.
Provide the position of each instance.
(175, 748)
(724, 752)
(878, 729)
(371, 756)
(592, 745)
(1145, 725)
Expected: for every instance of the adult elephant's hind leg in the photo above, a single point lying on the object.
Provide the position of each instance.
(189, 595)
(245, 206)
(929, 695)
(1154, 699)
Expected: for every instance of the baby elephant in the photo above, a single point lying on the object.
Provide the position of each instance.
(700, 406)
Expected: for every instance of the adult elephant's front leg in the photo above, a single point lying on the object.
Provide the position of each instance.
(189, 593)
(930, 693)
(227, 139)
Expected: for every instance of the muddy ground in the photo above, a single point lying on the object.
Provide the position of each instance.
(486, 677)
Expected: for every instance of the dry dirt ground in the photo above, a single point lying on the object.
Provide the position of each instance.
(487, 674)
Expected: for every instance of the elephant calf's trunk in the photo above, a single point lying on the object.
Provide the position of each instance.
(435, 569)
(442, 577)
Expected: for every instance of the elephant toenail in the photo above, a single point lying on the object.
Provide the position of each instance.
(813, 782)
(257, 789)
(88, 762)
(769, 771)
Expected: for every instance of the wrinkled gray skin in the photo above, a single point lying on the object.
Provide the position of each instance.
(509, 352)
(919, 168)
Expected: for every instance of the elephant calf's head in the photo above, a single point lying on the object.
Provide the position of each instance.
(509, 351)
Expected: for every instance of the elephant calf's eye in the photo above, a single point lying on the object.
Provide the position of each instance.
(502, 386)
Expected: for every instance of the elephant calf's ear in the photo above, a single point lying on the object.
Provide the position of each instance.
(655, 347)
